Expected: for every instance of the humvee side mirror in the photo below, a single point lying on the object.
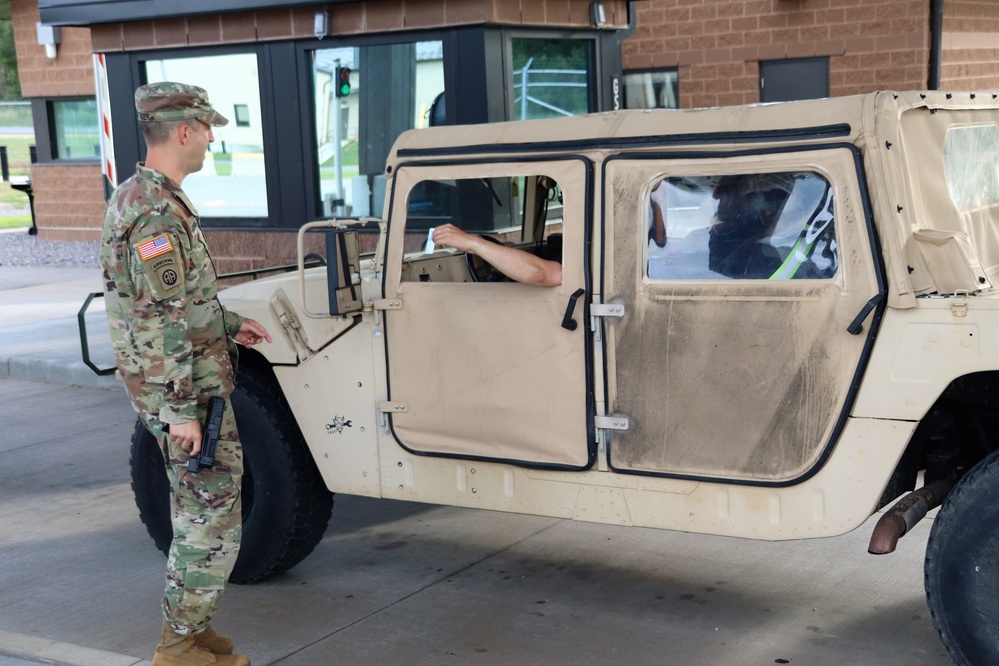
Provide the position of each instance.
(342, 261)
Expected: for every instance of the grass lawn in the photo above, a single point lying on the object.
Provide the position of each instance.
(15, 222)
(18, 155)
(19, 160)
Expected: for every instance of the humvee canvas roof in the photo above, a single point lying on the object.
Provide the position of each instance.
(901, 138)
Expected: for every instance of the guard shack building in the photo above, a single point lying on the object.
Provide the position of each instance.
(315, 95)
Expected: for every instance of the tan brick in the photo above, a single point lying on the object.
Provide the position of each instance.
(138, 35)
(106, 38)
(238, 27)
(348, 18)
(746, 53)
(205, 29)
(170, 32)
(801, 50)
(274, 24)
(557, 12)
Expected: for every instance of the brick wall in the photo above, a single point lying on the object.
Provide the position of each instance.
(970, 45)
(69, 201)
(70, 73)
(717, 44)
(349, 19)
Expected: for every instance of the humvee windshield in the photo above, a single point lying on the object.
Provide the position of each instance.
(766, 226)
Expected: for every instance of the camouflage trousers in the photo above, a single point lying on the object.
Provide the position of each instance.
(207, 527)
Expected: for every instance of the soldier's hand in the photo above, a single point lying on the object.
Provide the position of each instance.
(187, 436)
(251, 333)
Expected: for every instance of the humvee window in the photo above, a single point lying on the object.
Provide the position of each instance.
(519, 211)
(971, 162)
(762, 226)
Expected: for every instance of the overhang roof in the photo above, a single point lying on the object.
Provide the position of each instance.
(88, 12)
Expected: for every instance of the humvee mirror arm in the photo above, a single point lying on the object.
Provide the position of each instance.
(341, 253)
(568, 323)
(856, 326)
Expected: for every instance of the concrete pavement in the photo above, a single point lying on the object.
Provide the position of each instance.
(39, 331)
(395, 582)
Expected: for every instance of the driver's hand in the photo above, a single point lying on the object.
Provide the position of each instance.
(452, 236)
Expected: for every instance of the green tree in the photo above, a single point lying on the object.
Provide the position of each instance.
(10, 85)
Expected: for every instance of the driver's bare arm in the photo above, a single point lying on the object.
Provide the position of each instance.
(512, 262)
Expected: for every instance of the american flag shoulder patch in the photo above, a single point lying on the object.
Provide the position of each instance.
(154, 247)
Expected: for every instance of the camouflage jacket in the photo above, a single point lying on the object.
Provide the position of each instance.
(170, 334)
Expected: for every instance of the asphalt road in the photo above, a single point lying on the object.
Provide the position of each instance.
(402, 583)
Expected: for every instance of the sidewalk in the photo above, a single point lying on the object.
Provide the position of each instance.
(39, 330)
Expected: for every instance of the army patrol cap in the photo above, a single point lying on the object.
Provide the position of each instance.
(166, 101)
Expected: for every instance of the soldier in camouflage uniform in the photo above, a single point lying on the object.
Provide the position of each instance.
(174, 347)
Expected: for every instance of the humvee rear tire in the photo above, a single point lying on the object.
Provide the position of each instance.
(286, 505)
(962, 567)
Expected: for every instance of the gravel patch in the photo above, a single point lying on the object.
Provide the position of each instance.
(18, 248)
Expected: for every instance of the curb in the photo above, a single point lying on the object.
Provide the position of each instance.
(53, 371)
(65, 654)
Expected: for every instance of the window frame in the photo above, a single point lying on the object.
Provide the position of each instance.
(791, 62)
(43, 115)
(651, 70)
(593, 87)
(284, 72)
(813, 214)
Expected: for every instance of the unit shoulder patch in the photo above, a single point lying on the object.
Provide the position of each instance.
(161, 264)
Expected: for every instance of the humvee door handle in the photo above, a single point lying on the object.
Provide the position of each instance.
(856, 326)
(568, 323)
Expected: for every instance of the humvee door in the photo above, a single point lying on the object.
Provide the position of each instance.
(740, 276)
(482, 367)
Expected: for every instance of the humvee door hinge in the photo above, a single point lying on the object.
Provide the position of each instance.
(609, 422)
(607, 310)
(387, 304)
(603, 310)
(392, 407)
(959, 308)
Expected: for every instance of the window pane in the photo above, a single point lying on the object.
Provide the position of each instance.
(971, 162)
(651, 90)
(232, 182)
(241, 114)
(392, 89)
(793, 79)
(551, 77)
(773, 226)
(77, 134)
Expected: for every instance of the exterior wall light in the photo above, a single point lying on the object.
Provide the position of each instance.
(597, 14)
(49, 36)
(322, 24)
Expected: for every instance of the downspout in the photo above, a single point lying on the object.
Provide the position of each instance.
(936, 43)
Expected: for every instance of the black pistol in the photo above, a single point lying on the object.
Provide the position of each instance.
(209, 436)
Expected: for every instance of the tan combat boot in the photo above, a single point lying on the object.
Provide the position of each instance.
(212, 642)
(177, 650)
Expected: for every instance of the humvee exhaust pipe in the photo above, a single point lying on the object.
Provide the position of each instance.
(905, 514)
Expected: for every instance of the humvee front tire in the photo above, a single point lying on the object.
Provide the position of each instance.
(286, 505)
(962, 567)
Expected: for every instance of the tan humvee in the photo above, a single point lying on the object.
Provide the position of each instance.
(771, 320)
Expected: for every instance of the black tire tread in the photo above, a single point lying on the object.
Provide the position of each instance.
(965, 496)
(299, 532)
(314, 507)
